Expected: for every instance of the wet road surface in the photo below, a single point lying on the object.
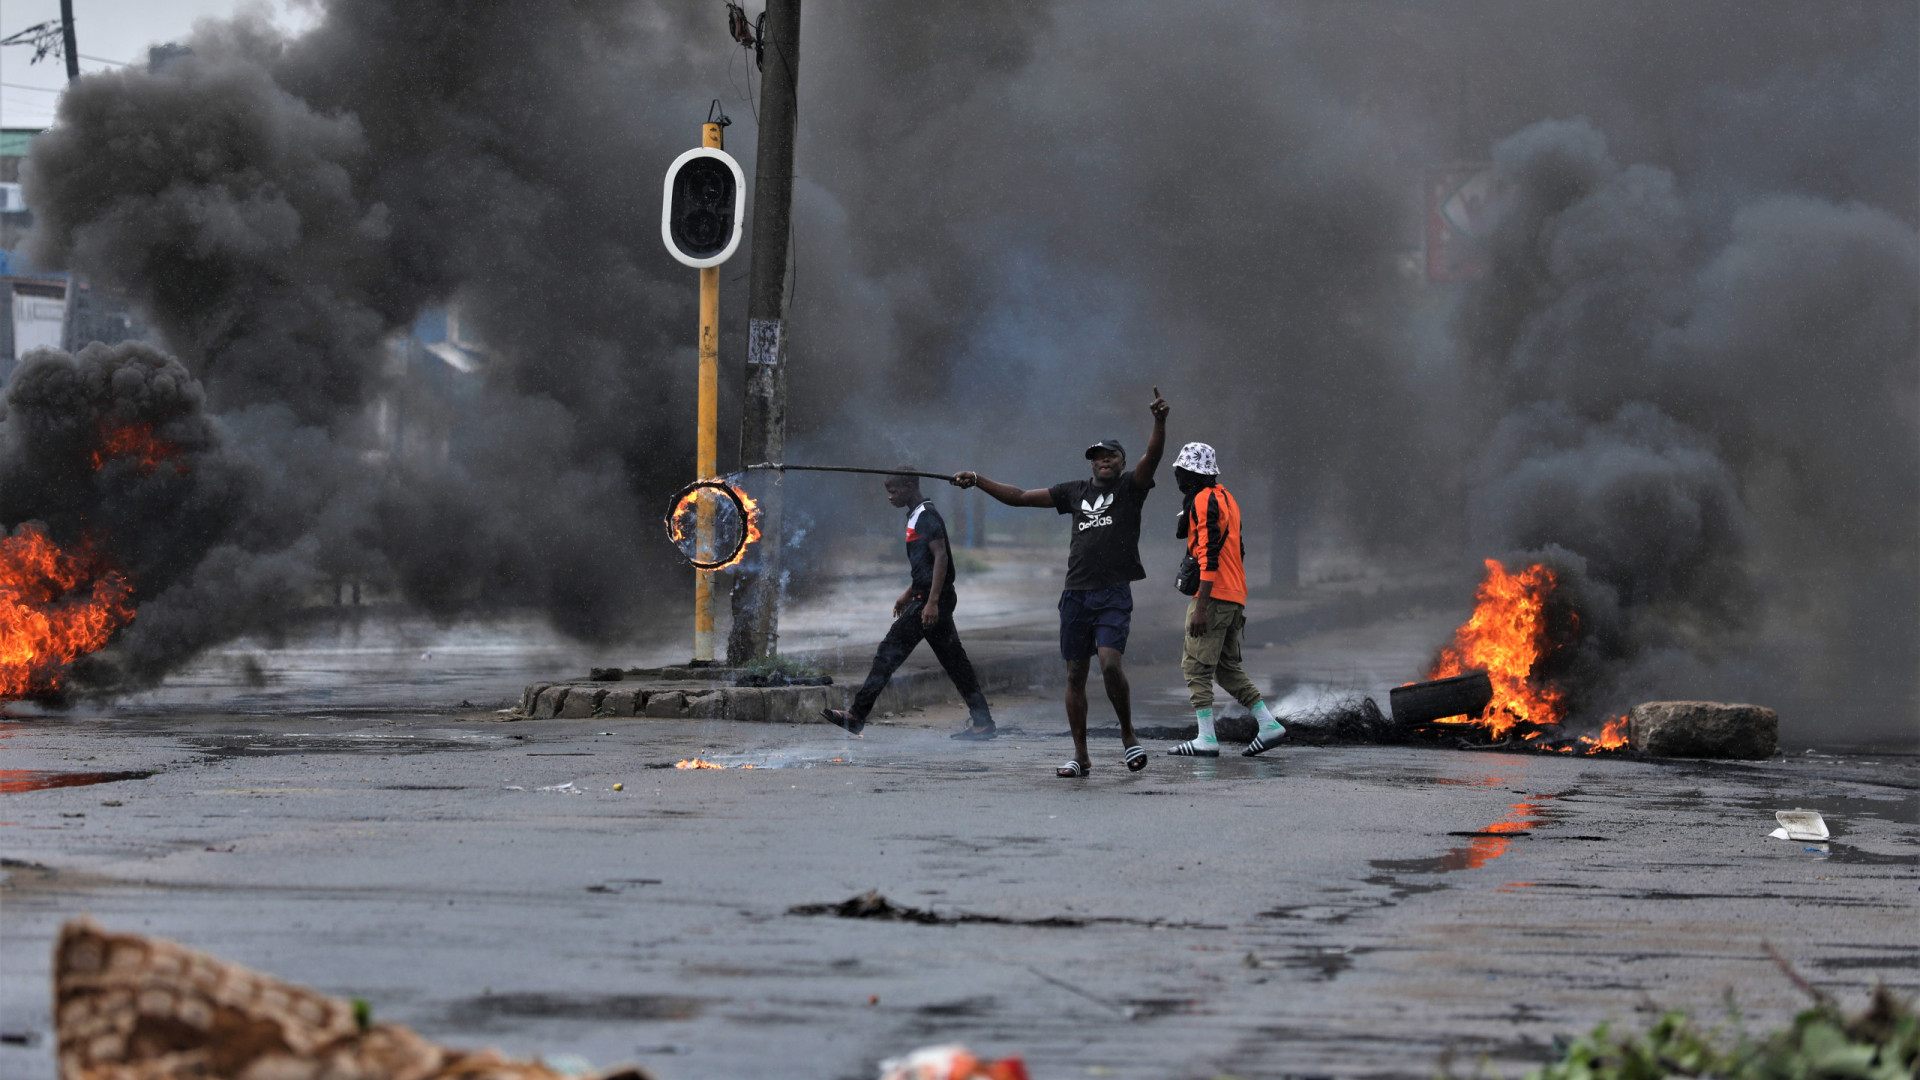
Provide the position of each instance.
(1339, 911)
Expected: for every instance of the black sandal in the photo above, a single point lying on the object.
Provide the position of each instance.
(841, 717)
(1072, 770)
(1136, 757)
(1263, 743)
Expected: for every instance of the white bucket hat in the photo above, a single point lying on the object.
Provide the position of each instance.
(1197, 457)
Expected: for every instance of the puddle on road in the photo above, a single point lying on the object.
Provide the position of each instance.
(18, 780)
(1485, 846)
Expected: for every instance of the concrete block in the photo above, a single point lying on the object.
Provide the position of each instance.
(1704, 729)
(785, 704)
(581, 702)
(707, 704)
(530, 696)
(746, 703)
(549, 702)
(666, 704)
(621, 702)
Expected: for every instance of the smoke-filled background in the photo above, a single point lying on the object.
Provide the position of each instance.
(1688, 375)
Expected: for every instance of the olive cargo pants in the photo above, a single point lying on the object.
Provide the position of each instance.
(1216, 655)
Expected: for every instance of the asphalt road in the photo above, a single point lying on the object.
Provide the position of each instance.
(1341, 911)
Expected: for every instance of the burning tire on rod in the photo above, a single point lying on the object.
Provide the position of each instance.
(713, 523)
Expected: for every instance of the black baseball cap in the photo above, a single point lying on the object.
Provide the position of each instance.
(1106, 446)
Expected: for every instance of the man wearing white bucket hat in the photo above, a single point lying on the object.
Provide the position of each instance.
(1214, 575)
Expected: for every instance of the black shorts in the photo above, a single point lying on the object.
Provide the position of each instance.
(1095, 619)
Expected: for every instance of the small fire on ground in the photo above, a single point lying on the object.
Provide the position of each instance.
(55, 607)
(1508, 637)
(698, 763)
(59, 604)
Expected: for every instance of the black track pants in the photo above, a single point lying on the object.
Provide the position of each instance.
(899, 643)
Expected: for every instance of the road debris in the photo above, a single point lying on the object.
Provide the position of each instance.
(873, 905)
(127, 1006)
(952, 1062)
(1799, 825)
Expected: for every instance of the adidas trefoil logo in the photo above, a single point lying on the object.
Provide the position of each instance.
(1094, 509)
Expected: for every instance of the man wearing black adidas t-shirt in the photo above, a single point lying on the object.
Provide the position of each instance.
(1096, 607)
(925, 610)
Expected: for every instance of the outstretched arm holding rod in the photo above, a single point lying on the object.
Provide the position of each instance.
(1006, 493)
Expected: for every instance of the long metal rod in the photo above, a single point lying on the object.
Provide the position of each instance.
(778, 466)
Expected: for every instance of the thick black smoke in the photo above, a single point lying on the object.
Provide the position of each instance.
(279, 209)
(1723, 433)
(1692, 358)
(112, 451)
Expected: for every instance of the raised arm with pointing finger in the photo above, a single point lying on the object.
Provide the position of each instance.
(1042, 498)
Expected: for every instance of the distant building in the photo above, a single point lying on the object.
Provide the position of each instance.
(13, 210)
(38, 308)
(430, 367)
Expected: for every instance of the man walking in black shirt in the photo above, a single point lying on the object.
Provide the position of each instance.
(1096, 607)
(925, 610)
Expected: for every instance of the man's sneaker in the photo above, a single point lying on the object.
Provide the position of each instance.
(854, 724)
(975, 734)
(1196, 748)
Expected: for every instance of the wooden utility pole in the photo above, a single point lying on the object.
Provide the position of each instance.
(763, 423)
(67, 43)
(707, 435)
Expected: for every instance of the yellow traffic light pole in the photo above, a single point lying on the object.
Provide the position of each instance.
(706, 445)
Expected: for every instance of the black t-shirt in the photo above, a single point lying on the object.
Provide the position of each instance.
(924, 526)
(1106, 531)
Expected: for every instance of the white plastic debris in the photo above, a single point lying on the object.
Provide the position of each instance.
(1799, 825)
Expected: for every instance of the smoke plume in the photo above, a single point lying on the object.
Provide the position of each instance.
(1688, 375)
(1721, 433)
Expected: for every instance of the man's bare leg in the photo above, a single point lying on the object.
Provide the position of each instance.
(1077, 709)
(1118, 691)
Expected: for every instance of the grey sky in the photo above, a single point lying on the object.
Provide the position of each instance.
(110, 29)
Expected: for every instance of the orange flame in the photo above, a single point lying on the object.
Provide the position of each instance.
(686, 519)
(134, 441)
(696, 763)
(1613, 736)
(1505, 637)
(55, 606)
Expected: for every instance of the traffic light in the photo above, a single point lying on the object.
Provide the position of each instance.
(703, 208)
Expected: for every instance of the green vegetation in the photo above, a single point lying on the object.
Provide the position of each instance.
(1823, 1043)
(788, 666)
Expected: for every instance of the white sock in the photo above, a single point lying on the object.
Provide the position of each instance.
(1205, 717)
(1268, 724)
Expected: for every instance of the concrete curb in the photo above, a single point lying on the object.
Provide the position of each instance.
(683, 699)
